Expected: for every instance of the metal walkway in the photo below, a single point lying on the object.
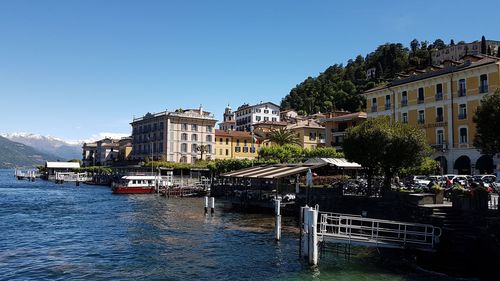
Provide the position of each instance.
(356, 230)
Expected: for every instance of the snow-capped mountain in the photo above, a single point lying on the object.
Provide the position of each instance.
(66, 150)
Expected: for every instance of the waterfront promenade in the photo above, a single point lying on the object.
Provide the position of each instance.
(63, 232)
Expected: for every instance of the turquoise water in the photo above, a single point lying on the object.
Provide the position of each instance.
(64, 232)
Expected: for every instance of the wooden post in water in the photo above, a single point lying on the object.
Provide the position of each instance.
(277, 207)
(212, 205)
(206, 205)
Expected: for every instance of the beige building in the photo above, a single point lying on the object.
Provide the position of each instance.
(310, 132)
(174, 136)
(336, 126)
(456, 52)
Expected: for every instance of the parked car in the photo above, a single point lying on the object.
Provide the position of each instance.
(460, 179)
(421, 180)
(438, 179)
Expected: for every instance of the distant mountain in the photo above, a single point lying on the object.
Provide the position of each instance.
(14, 154)
(64, 150)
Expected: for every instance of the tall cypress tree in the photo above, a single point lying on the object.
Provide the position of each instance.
(489, 50)
(483, 45)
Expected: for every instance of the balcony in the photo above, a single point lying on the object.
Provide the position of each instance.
(420, 101)
(374, 108)
(483, 89)
(439, 96)
(439, 118)
(387, 106)
(421, 121)
(462, 92)
(404, 103)
(462, 116)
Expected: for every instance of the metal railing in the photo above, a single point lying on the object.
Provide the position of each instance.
(462, 92)
(380, 233)
(439, 96)
(404, 102)
(483, 89)
(493, 202)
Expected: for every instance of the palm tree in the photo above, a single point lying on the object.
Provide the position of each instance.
(283, 136)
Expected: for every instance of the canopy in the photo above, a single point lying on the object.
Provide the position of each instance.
(272, 171)
(338, 162)
(62, 165)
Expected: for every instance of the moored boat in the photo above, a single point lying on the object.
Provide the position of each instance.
(138, 184)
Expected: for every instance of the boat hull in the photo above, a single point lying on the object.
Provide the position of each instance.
(133, 190)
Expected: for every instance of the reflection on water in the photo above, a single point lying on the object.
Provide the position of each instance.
(62, 232)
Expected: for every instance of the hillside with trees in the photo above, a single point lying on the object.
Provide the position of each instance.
(340, 87)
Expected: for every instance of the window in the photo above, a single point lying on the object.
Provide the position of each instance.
(440, 137)
(227, 141)
(245, 149)
(266, 118)
(387, 102)
(193, 148)
(463, 135)
(257, 118)
(404, 98)
(274, 119)
(227, 151)
(483, 83)
(462, 111)
(237, 149)
(209, 148)
(421, 95)
(184, 127)
(439, 114)
(160, 147)
(155, 127)
(161, 125)
(439, 91)
(245, 143)
(209, 138)
(184, 136)
(312, 136)
(221, 141)
(421, 117)
(237, 142)
(266, 111)
(374, 104)
(274, 112)
(461, 88)
(184, 147)
(194, 137)
(209, 129)
(194, 127)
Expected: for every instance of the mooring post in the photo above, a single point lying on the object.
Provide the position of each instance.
(305, 232)
(277, 205)
(212, 205)
(206, 205)
(313, 237)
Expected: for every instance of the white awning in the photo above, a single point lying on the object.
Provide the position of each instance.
(338, 162)
(272, 171)
(62, 165)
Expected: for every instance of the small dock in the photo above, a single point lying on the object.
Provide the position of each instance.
(29, 175)
(323, 228)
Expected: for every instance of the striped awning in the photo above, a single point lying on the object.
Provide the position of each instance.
(272, 171)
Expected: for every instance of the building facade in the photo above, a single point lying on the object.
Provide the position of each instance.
(236, 145)
(182, 136)
(336, 126)
(228, 123)
(89, 154)
(107, 151)
(248, 115)
(442, 102)
(311, 133)
(456, 52)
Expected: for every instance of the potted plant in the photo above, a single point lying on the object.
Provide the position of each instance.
(438, 193)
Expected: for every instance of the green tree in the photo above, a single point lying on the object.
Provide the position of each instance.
(327, 152)
(483, 45)
(288, 153)
(487, 119)
(427, 167)
(283, 136)
(382, 145)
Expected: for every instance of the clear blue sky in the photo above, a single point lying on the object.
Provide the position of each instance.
(77, 68)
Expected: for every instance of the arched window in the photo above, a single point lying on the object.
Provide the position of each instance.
(184, 136)
(194, 137)
(209, 138)
(184, 147)
(209, 148)
(193, 148)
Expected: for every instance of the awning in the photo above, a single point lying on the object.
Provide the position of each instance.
(338, 162)
(272, 171)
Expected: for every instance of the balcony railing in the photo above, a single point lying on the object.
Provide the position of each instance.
(483, 89)
(462, 92)
(439, 96)
(387, 106)
(374, 108)
(404, 103)
(439, 118)
(421, 121)
(462, 116)
(419, 101)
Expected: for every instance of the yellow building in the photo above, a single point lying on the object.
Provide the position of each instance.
(235, 145)
(442, 101)
(310, 132)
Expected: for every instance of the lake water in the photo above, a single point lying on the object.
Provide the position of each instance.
(64, 232)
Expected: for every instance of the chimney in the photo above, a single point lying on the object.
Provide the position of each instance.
(201, 109)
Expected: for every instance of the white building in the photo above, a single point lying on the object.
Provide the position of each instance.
(248, 115)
